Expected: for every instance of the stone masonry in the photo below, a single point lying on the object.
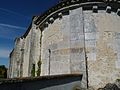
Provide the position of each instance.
(73, 37)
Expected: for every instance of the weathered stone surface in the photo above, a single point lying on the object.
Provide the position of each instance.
(77, 42)
(102, 53)
(56, 38)
(80, 42)
(26, 52)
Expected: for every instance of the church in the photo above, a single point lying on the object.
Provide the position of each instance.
(73, 37)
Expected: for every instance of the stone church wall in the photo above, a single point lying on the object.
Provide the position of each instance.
(65, 40)
(77, 41)
(102, 47)
(16, 58)
(31, 51)
(26, 53)
(80, 32)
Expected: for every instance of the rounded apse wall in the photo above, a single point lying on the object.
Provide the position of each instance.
(83, 41)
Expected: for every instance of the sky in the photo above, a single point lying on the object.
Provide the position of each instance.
(15, 18)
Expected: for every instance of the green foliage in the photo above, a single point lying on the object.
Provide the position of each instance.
(39, 68)
(3, 72)
(33, 70)
(118, 80)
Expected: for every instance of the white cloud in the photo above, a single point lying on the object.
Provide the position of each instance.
(8, 31)
(4, 53)
(14, 13)
(11, 26)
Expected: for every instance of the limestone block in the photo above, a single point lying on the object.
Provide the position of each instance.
(76, 19)
(90, 36)
(77, 44)
(76, 11)
(101, 50)
(117, 35)
(77, 67)
(118, 64)
(54, 46)
(92, 56)
(89, 24)
(76, 36)
(90, 43)
(62, 44)
(76, 50)
(77, 57)
(61, 66)
(61, 52)
(45, 67)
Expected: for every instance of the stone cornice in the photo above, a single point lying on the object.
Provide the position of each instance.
(70, 4)
(28, 30)
(65, 5)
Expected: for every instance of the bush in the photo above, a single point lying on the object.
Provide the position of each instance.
(39, 68)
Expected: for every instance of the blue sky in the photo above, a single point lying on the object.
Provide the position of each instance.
(15, 17)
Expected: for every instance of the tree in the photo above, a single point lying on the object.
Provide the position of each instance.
(39, 68)
(3, 71)
(33, 70)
